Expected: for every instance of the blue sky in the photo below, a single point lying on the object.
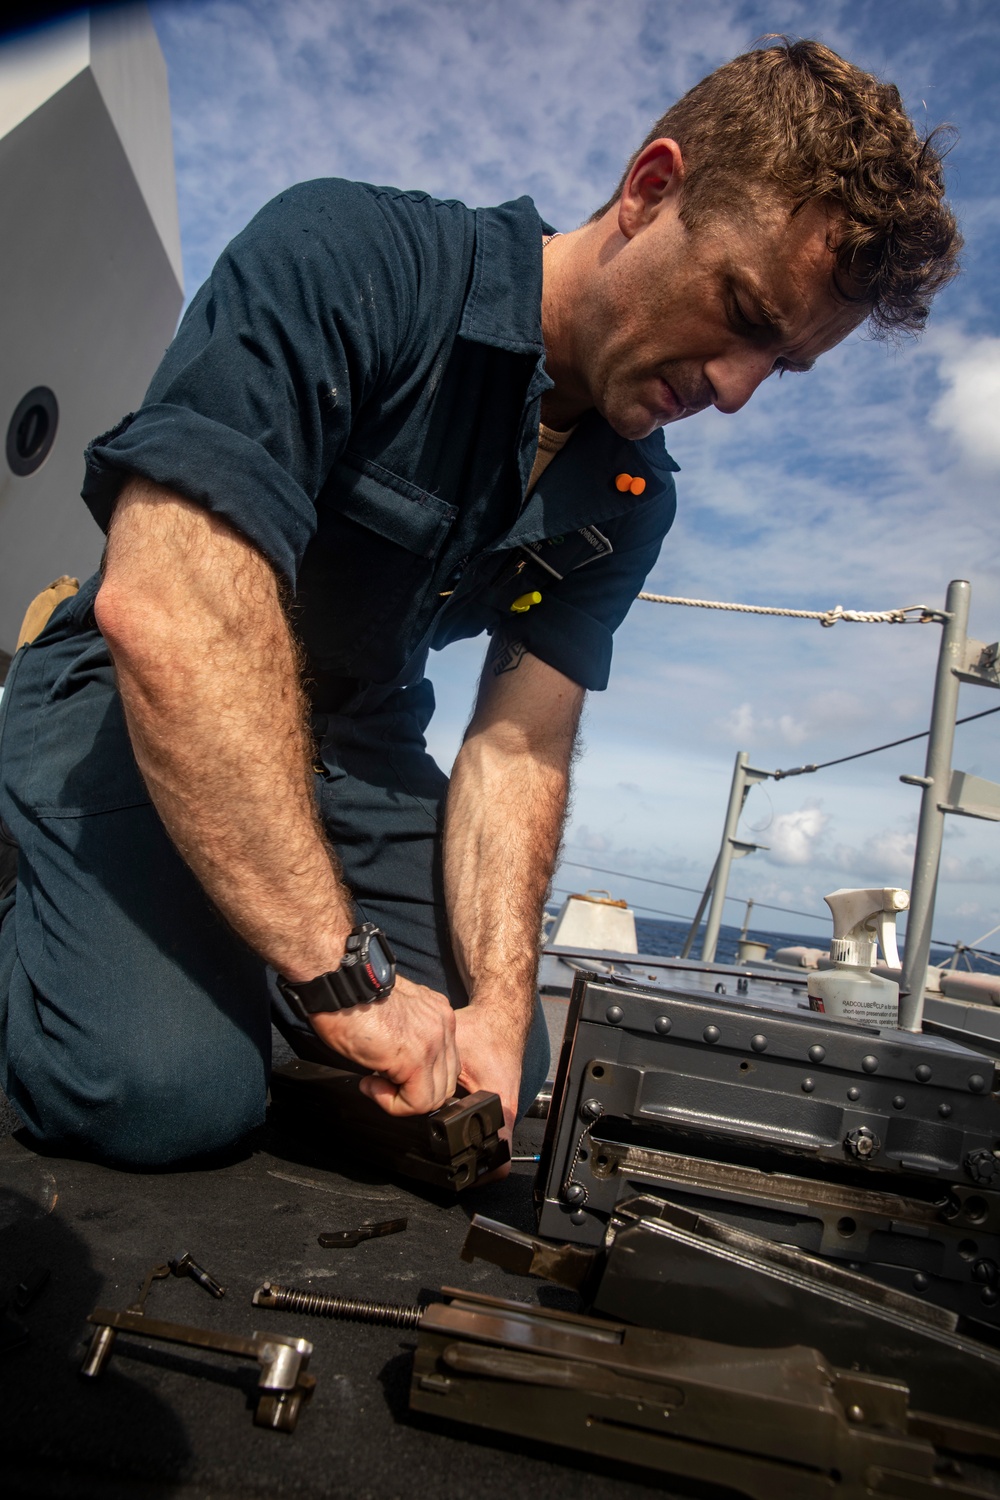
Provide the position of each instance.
(869, 482)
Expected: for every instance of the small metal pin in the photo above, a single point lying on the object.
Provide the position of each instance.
(185, 1265)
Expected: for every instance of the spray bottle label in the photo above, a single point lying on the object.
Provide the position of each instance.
(863, 1001)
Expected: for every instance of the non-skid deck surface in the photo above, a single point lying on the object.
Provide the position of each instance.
(152, 1427)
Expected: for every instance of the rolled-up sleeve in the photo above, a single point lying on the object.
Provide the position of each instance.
(254, 400)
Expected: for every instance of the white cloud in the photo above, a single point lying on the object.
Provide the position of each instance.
(745, 726)
(968, 410)
(793, 836)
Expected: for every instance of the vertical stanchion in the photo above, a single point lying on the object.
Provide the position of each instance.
(737, 795)
(936, 783)
(696, 919)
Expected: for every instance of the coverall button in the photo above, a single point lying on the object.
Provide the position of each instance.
(624, 482)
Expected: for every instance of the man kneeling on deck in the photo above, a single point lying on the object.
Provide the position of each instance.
(387, 423)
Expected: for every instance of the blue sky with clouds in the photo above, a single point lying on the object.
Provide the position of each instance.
(869, 482)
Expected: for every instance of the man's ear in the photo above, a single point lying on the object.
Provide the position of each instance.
(655, 180)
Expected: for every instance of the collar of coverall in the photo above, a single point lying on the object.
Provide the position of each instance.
(503, 306)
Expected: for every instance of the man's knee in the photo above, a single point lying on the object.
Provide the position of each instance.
(144, 1105)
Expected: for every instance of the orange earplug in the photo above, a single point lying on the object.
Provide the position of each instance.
(625, 482)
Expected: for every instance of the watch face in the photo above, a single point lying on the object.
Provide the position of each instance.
(378, 963)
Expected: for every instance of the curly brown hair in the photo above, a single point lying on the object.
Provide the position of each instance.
(794, 117)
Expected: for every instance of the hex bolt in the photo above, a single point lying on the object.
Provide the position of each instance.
(861, 1143)
(983, 1167)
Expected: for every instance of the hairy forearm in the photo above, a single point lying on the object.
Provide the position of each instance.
(504, 819)
(208, 674)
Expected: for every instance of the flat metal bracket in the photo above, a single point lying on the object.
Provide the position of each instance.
(972, 797)
(980, 664)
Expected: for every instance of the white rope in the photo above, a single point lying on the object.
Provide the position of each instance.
(921, 613)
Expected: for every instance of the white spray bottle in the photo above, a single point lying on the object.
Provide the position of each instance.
(849, 991)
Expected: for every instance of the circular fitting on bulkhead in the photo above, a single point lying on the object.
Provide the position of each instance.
(862, 1143)
(32, 431)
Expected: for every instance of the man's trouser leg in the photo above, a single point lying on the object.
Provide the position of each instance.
(132, 1020)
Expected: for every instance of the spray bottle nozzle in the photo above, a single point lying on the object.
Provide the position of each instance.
(861, 920)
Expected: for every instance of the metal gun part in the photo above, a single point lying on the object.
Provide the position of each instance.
(874, 1148)
(669, 1268)
(346, 1309)
(185, 1265)
(523, 1254)
(346, 1239)
(941, 1238)
(283, 1385)
(759, 1421)
(452, 1148)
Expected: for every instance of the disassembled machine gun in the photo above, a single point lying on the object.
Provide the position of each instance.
(876, 1148)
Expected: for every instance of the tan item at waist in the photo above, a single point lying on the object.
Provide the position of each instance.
(39, 611)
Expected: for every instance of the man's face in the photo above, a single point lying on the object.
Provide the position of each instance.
(697, 318)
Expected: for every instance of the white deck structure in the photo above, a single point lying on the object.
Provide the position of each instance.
(90, 274)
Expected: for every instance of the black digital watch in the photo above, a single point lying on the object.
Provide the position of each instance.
(366, 972)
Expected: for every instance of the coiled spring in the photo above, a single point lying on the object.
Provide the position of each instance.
(350, 1309)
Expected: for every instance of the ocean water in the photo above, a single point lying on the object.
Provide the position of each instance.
(667, 939)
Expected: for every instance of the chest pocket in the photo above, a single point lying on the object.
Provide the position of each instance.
(368, 577)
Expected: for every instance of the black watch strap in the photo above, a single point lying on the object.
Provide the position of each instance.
(366, 972)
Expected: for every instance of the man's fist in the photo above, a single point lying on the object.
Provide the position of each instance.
(407, 1041)
(491, 1057)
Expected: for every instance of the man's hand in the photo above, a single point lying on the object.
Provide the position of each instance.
(491, 1059)
(408, 1043)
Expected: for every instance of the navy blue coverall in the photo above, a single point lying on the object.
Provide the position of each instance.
(356, 390)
